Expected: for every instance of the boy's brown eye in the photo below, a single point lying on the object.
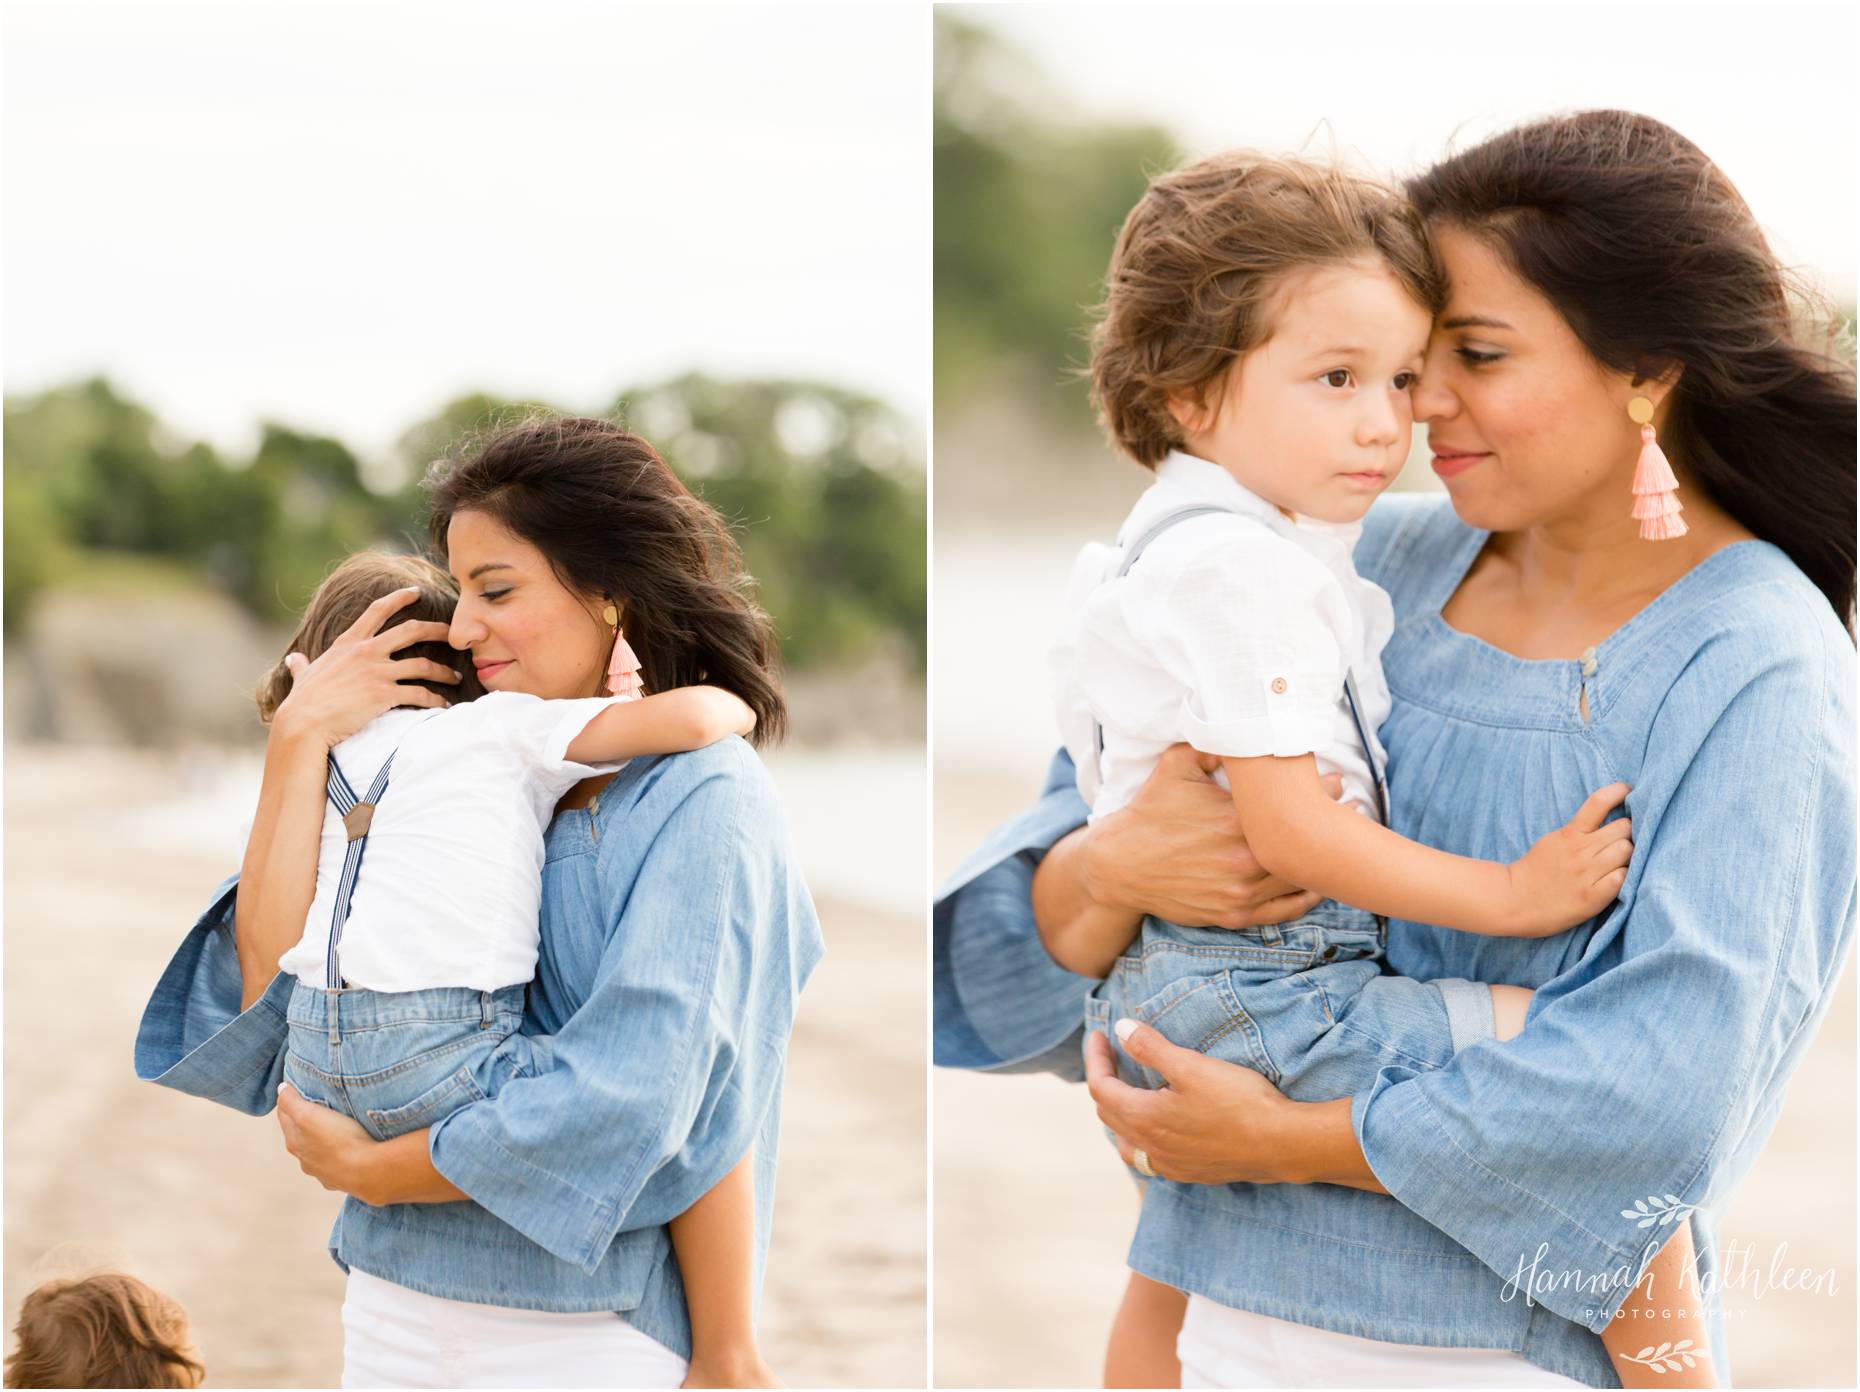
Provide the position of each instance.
(1332, 377)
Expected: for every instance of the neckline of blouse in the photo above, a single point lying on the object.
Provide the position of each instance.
(1555, 684)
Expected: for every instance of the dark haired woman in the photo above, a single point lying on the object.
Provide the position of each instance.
(1500, 1202)
(675, 937)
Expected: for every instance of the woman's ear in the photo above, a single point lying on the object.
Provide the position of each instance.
(1655, 382)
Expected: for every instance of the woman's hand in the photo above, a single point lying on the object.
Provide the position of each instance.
(1177, 850)
(338, 1154)
(329, 1146)
(1219, 1123)
(358, 678)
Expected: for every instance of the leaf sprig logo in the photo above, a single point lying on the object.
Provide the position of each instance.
(1667, 1358)
(1656, 1210)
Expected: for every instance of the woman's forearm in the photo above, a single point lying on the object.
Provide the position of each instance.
(1321, 1147)
(401, 1171)
(1079, 933)
(277, 879)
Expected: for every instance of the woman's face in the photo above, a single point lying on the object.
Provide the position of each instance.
(527, 631)
(1526, 428)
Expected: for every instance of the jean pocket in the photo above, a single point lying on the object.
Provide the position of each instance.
(457, 1089)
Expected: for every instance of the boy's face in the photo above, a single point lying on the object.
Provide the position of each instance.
(1316, 419)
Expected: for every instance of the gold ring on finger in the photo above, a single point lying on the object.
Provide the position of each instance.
(1141, 1159)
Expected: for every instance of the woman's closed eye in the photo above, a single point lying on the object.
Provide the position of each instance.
(495, 594)
(1476, 357)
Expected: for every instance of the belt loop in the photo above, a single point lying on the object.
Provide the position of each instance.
(1269, 934)
(485, 1011)
(331, 999)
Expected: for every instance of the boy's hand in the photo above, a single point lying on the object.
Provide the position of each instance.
(1575, 872)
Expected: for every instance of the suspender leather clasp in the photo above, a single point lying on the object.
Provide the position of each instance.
(357, 818)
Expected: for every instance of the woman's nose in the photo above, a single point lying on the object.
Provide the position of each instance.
(465, 629)
(1432, 397)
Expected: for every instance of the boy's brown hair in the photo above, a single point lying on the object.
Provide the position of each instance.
(107, 1330)
(352, 587)
(1197, 266)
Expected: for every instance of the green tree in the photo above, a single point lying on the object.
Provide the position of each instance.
(1027, 211)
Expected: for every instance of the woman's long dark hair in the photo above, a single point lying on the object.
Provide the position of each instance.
(1643, 245)
(614, 520)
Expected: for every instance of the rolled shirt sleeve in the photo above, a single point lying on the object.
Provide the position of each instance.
(663, 1075)
(1249, 626)
(194, 1038)
(1651, 1071)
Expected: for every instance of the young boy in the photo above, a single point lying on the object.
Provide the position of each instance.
(106, 1330)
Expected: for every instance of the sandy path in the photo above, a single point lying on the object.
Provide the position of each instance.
(1034, 1213)
(205, 1204)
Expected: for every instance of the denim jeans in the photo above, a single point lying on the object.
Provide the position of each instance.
(1304, 1003)
(397, 1061)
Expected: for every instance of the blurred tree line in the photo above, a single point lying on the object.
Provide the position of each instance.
(826, 488)
(1027, 210)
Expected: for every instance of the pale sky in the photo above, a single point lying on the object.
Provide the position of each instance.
(1767, 91)
(338, 215)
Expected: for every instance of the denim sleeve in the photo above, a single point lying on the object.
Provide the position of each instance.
(1001, 1003)
(193, 1036)
(1651, 1071)
(664, 1074)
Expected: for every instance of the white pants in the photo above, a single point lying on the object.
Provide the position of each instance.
(395, 1337)
(1223, 1347)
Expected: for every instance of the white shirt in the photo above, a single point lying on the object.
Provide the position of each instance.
(450, 889)
(1232, 633)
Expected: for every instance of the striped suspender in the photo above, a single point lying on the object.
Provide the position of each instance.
(356, 815)
(1136, 549)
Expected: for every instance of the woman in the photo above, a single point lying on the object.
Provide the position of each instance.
(1541, 649)
(675, 937)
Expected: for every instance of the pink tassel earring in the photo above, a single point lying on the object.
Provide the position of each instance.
(623, 677)
(1656, 491)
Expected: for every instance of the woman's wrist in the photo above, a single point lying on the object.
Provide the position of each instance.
(1315, 1143)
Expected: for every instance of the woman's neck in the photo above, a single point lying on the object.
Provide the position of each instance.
(1599, 561)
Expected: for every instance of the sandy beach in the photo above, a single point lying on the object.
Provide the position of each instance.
(1034, 1211)
(101, 882)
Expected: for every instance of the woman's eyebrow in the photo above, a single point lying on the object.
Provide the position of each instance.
(488, 565)
(1473, 321)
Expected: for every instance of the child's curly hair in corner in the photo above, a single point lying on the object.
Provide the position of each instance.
(106, 1330)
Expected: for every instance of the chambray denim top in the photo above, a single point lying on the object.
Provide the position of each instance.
(1663, 1033)
(676, 938)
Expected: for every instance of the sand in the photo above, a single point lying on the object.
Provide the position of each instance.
(1034, 1211)
(205, 1204)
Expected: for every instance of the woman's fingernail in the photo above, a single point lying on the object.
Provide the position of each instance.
(1125, 1028)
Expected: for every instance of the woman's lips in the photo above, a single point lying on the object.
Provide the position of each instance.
(487, 670)
(1448, 463)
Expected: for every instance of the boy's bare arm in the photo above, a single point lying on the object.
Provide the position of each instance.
(714, 1241)
(671, 722)
(1297, 832)
(1664, 1315)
